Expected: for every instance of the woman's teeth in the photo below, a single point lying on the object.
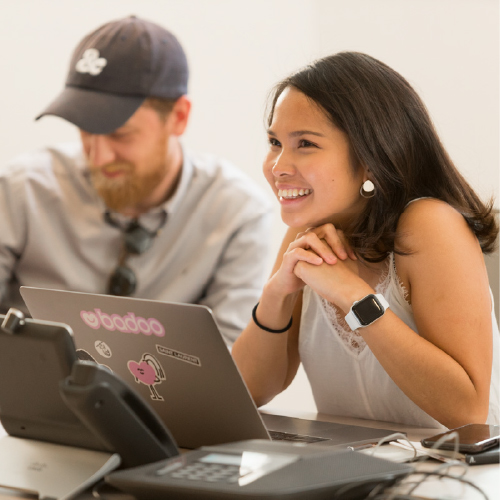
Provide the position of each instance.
(293, 193)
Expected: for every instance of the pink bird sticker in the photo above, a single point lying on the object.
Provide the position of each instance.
(148, 371)
(142, 371)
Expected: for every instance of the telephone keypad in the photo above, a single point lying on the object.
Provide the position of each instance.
(211, 473)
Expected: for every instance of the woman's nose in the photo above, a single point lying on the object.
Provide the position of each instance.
(283, 165)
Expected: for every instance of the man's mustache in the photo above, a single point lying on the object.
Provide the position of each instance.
(123, 166)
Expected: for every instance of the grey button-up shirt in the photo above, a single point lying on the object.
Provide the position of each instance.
(212, 250)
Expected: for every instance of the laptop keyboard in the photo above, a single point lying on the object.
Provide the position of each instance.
(298, 438)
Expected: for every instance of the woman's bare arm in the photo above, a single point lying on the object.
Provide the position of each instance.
(446, 368)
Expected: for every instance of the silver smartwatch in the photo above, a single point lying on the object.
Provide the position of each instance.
(367, 310)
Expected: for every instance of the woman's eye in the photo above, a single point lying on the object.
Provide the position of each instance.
(274, 142)
(306, 144)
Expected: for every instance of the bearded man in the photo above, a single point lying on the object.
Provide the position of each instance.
(128, 210)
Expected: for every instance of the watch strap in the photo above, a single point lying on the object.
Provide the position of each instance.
(353, 321)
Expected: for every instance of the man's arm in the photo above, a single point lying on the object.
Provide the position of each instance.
(12, 230)
(240, 274)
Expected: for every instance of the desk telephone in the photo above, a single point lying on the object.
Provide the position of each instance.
(250, 469)
(120, 420)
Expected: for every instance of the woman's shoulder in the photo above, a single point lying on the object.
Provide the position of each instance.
(441, 252)
(428, 219)
(428, 206)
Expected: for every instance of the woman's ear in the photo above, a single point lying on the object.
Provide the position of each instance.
(366, 175)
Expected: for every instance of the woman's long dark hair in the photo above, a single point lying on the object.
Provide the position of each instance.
(391, 134)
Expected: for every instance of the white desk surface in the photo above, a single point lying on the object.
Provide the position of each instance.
(487, 477)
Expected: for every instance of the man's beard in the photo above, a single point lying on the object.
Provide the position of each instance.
(129, 189)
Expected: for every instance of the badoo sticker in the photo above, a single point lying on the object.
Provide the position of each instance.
(90, 319)
(102, 348)
(130, 323)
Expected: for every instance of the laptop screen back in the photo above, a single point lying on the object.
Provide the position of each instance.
(172, 354)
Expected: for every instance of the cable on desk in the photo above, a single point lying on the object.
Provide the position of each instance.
(448, 437)
(393, 437)
(398, 496)
(383, 492)
(339, 494)
(450, 476)
(387, 494)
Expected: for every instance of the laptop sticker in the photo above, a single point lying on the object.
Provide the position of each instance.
(102, 348)
(187, 358)
(148, 371)
(130, 323)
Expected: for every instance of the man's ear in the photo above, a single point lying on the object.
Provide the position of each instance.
(179, 116)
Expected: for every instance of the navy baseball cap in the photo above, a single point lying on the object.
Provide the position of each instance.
(115, 69)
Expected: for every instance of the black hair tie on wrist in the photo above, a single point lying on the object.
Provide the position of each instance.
(262, 327)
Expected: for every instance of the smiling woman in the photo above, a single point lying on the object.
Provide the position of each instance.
(308, 154)
(382, 268)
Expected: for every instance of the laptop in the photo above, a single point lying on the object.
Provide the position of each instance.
(175, 357)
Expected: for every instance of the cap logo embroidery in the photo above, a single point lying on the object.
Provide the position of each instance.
(91, 62)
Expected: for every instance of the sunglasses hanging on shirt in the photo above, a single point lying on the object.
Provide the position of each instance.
(136, 240)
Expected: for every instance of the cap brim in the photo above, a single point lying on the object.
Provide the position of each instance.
(94, 112)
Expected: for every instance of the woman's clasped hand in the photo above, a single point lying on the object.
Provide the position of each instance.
(322, 258)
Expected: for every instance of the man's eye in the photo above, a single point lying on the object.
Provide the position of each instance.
(120, 135)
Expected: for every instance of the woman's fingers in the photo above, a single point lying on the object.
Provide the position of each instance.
(284, 279)
(336, 239)
(310, 241)
(326, 241)
(298, 254)
(347, 246)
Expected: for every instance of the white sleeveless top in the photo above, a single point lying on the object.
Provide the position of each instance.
(346, 377)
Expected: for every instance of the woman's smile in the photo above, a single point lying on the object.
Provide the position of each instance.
(294, 193)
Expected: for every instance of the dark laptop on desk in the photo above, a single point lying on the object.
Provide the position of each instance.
(175, 357)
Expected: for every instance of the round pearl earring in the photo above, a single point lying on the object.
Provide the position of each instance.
(367, 190)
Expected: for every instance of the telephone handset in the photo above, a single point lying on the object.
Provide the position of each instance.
(34, 357)
(117, 415)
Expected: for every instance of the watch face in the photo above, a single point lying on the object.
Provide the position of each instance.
(368, 310)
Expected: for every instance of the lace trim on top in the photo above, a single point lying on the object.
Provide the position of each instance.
(352, 339)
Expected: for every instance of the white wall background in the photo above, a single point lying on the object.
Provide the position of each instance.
(448, 49)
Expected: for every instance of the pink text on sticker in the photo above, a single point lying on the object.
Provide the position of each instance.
(130, 323)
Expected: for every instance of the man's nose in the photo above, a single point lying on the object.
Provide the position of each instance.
(100, 151)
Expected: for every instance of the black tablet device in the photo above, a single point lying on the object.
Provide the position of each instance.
(34, 357)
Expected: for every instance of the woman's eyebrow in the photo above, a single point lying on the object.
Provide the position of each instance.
(298, 133)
